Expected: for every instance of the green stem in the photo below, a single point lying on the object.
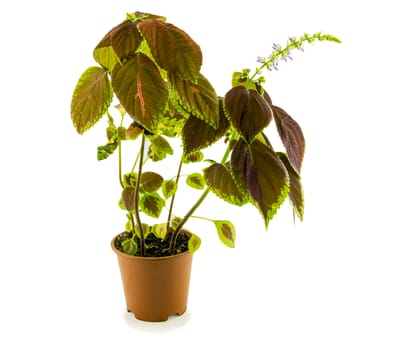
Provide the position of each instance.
(170, 213)
(120, 173)
(201, 198)
(136, 196)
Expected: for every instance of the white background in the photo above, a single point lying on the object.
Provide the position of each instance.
(331, 282)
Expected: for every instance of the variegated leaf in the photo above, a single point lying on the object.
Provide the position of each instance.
(151, 181)
(125, 39)
(248, 111)
(172, 48)
(104, 53)
(196, 181)
(226, 232)
(258, 170)
(194, 243)
(198, 99)
(129, 246)
(151, 204)
(291, 135)
(91, 98)
(169, 187)
(219, 179)
(159, 148)
(141, 90)
(197, 134)
(128, 198)
(296, 194)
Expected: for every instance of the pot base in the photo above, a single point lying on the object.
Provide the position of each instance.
(155, 318)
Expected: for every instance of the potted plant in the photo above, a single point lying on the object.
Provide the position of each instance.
(149, 70)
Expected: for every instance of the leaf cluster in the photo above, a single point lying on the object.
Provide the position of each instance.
(153, 70)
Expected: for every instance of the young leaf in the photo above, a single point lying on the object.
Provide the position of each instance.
(129, 246)
(291, 135)
(151, 204)
(194, 243)
(160, 230)
(193, 157)
(129, 179)
(103, 152)
(145, 230)
(198, 99)
(169, 187)
(196, 181)
(219, 179)
(172, 48)
(159, 148)
(128, 198)
(258, 170)
(226, 232)
(296, 195)
(248, 111)
(151, 181)
(91, 98)
(197, 134)
(141, 90)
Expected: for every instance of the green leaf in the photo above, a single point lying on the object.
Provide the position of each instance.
(104, 53)
(226, 232)
(129, 179)
(125, 39)
(151, 204)
(193, 157)
(248, 111)
(159, 148)
(291, 135)
(91, 98)
(219, 179)
(296, 195)
(194, 243)
(169, 187)
(129, 246)
(172, 48)
(145, 230)
(103, 152)
(151, 181)
(196, 181)
(160, 230)
(170, 124)
(141, 90)
(259, 170)
(198, 99)
(128, 198)
(197, 134)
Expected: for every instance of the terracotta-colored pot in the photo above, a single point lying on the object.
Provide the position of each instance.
(155, 288)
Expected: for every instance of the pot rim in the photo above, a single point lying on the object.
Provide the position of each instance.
(150, 258)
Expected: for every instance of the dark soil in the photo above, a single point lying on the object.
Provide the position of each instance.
(155, 246)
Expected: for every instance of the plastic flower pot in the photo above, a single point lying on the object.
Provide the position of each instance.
(155, 288)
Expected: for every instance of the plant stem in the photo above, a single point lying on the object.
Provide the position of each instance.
(136, 196)
(201, 198)
(120, 174)
(170, 213)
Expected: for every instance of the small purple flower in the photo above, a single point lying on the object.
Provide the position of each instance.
(261, 59)
(276, 47)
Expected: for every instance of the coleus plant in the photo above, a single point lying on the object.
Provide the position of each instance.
(149, 70)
